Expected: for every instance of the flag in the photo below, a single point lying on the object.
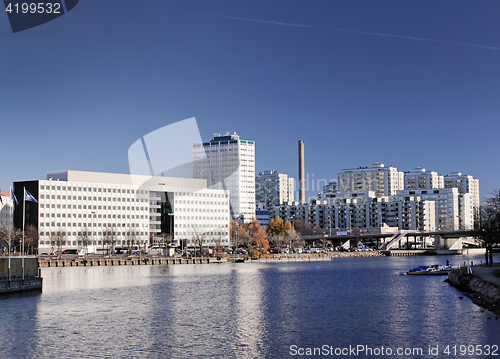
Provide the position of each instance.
(13, 196)
(29, 197)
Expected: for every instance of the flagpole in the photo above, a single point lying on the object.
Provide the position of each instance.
(24, 211)
(10, 248)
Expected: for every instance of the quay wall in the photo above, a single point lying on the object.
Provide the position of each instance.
(91, 262)
(19, 285)
(479, 290)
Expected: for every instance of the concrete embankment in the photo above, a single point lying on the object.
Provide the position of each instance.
(16, 285)
(149, 260)
(92, 262)
(481, 286)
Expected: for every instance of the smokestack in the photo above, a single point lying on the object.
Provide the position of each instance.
(302, 184)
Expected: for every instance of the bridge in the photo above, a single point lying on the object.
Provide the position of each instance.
(445, 242)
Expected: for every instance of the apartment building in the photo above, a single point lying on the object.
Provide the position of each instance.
(273, 188)
(422, 179)
(6, 210)
(384, 181)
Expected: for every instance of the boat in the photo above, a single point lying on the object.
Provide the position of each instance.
(435, 269)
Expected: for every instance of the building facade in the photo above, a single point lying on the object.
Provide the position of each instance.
(273, 188)
(6, 210)
(228, 163)
(75, 204)
(422, 179)
(420, 210)
(465, 184)
(384, 181)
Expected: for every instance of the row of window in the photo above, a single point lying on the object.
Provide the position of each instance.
(91, 189)
(84, 215)
(63, 224)
(114, 208)
(85, 198)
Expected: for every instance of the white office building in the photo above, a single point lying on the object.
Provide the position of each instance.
(273, 188)
(228, 163)
(134, 207)
(384, 181)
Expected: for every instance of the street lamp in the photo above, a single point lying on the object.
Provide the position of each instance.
(330, 220)
(293, 229)
(92, 229)
(170, 215)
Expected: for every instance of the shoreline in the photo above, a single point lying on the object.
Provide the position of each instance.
(479, 284)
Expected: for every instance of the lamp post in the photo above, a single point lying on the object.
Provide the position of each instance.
(170, 215)
(92, 230)
(330, 220)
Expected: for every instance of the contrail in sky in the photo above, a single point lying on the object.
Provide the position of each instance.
(357, 32)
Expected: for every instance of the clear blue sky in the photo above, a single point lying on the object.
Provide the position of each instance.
(76, 92)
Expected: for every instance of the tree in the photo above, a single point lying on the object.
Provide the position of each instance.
(199, 239)
(57, 240)
(16, 236)
(109, 238)
(84, 238)
(131, 239)
(275, 227)
(487, 225)
(31, 238)
(234, 232)
(256, 236)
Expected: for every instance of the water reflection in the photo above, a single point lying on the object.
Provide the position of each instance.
(247, 310)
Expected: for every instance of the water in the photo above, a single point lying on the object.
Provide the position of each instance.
(242, 310)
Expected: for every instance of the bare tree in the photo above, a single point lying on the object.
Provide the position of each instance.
(84, 238)
(109, 238)
(199, 239)
(487, 225)
(31, 238)
(131, 239)
(16, 236)
(4, 238)
(57, 240)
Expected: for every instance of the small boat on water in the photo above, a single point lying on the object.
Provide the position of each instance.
(435, 269)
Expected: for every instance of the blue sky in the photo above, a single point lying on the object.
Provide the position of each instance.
(409, 84)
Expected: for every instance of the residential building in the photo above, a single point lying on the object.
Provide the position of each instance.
(76, 203)
(464, 184)
(331, 188)
(228, 163)
(262, 215)
(273, 188)
(422, 179)
(384, 181)
(443, 209)
(6, 210)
